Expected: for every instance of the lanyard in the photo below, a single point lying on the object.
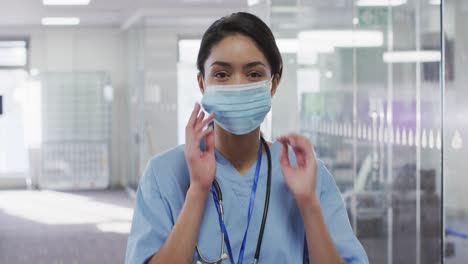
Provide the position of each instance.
(251, 205)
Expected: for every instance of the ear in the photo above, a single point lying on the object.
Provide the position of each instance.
(200, 82)
(274, 84)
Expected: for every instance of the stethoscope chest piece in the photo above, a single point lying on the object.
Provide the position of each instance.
(220, 260)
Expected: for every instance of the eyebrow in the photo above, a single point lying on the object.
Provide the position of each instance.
(253, 64)
(222, 64)
(229, 65)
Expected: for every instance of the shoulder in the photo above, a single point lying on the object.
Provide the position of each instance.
(325, 180)
(171, 157)
(167, 169)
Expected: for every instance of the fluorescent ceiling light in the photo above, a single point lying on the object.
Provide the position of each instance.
(435, 2)
(411, 56)
(60, 21)
(292, 45)
(66, 2)
(253, 2)
(380, 2)
(284, 9)
(344, 38)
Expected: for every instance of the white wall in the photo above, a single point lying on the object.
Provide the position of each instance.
(85, 49)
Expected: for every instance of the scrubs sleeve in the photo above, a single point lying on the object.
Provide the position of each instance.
(152, 219)
(337, 221)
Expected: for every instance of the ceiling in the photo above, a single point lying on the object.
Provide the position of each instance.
(110, 12)
(124, 12)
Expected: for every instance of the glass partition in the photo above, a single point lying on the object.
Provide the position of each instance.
(456, 130)
(365, 77)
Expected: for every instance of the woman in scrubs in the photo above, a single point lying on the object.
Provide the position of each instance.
(177, 217)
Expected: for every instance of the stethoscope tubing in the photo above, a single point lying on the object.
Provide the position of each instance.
(264, 217)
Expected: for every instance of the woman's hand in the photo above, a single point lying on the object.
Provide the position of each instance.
(301, 180)
(201, 165)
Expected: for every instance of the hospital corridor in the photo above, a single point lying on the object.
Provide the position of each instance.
(230, 131)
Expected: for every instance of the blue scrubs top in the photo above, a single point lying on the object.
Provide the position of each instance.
(161, 193)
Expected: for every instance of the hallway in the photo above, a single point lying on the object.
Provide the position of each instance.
(35, 226)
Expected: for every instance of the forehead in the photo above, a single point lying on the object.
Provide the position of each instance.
(237, 50)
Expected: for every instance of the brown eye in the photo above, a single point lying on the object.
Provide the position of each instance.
(221, 75)
(255, 75)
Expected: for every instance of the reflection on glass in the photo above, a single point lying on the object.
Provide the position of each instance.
(372, 108)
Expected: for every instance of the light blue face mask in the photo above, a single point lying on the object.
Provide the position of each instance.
(238, 109)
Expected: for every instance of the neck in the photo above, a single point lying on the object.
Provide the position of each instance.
(240, 150)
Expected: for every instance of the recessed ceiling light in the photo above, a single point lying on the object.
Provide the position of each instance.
(60, 21)
(253, 2)
(66, 2)
(380, 2)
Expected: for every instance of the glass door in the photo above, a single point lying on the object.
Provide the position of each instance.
(14, 165)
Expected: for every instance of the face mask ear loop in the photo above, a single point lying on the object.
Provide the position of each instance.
(271, 83)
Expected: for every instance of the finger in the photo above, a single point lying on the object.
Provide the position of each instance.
(199, 120)
(282, 140)
(301, 140)
(304, 150)
(207, 132)
(301, 161)
(209, 142)
(191, 122)
(207, 120)
(284, 157)
(300, 144)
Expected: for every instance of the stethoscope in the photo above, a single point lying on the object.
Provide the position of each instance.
(218, 198)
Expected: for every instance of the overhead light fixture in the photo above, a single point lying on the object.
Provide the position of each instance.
(253, 2)
(435, 2)
(60, 21)
(380, 2)
(412, 56)
(66, 2)
(344, 38)
(292, 45)
(284, 9)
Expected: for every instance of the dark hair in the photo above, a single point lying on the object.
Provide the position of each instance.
(248, 25)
